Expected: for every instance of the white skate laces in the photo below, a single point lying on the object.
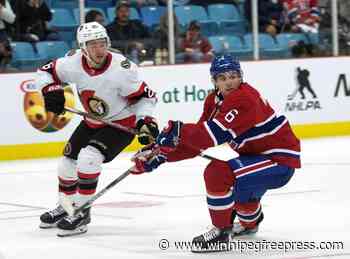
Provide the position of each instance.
(211, 234)
(58, 211)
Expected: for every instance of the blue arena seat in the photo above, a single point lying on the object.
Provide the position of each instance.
(187, 13)
(48, 50)
(151, 15)
(65, 23)
(23, 56)
(209, 28)
(290, 39)
(62, 18)
(103, 4)
(67, 4)
(293, 38)
(269, 47)
(230, 45)
(220, 12)
(232, 27)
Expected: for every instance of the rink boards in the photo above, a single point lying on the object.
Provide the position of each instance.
(29, 132)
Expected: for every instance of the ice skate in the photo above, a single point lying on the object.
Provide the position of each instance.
(74, 225)
(215, 240)
(50, 218)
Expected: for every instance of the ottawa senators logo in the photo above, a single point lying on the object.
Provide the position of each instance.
(97, 106)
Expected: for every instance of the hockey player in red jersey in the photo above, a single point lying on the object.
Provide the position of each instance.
(268, 153)
(109, 87)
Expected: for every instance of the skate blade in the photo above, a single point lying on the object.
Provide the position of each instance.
(47, 225)
(67, 233)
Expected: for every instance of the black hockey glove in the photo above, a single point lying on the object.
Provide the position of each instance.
(54, 98)
(148, 130)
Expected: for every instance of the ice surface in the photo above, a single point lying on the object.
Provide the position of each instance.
(170, 203)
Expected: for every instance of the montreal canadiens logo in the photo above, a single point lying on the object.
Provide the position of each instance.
(97, 106)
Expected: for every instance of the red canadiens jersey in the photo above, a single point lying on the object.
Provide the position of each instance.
(115, 92)
(247, 122)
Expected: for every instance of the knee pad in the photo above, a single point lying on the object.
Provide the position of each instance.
(218, 177)
(67, 169)
(90, 160)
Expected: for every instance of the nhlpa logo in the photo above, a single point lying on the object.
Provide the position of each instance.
(303, 82)
(308, 99)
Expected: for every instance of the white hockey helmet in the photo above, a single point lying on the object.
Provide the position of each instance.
(91, 31)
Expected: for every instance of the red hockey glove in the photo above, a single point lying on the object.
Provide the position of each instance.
(170, 136)
(149, 158)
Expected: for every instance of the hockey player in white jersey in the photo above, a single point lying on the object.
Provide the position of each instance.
(109, 87)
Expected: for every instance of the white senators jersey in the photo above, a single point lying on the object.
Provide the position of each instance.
(114, 92)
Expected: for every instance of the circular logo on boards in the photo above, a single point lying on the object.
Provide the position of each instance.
(34, 108)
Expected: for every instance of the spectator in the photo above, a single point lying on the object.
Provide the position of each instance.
(161, 34)
(6, 16)
(271, 15)
(94, 16)
(343, 28)
(131, 37)
(195, 47)
(344, 9)
(32, 19)
(5, 56)
(164, 29)
(304, 15)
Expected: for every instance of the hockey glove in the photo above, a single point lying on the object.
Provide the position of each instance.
(148, 130)
(149, 158)
(54, 98)
(170, 136)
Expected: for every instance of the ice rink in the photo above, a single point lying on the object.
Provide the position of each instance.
(170, 203)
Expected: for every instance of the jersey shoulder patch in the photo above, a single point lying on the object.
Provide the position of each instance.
(125, 64)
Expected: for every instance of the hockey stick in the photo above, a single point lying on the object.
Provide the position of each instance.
(68, 206)
(127, 129)
(90, 116)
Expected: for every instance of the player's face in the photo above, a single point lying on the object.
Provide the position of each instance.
(228, 81)
(97, 50)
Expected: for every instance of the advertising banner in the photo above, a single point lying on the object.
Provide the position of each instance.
(312, 93)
